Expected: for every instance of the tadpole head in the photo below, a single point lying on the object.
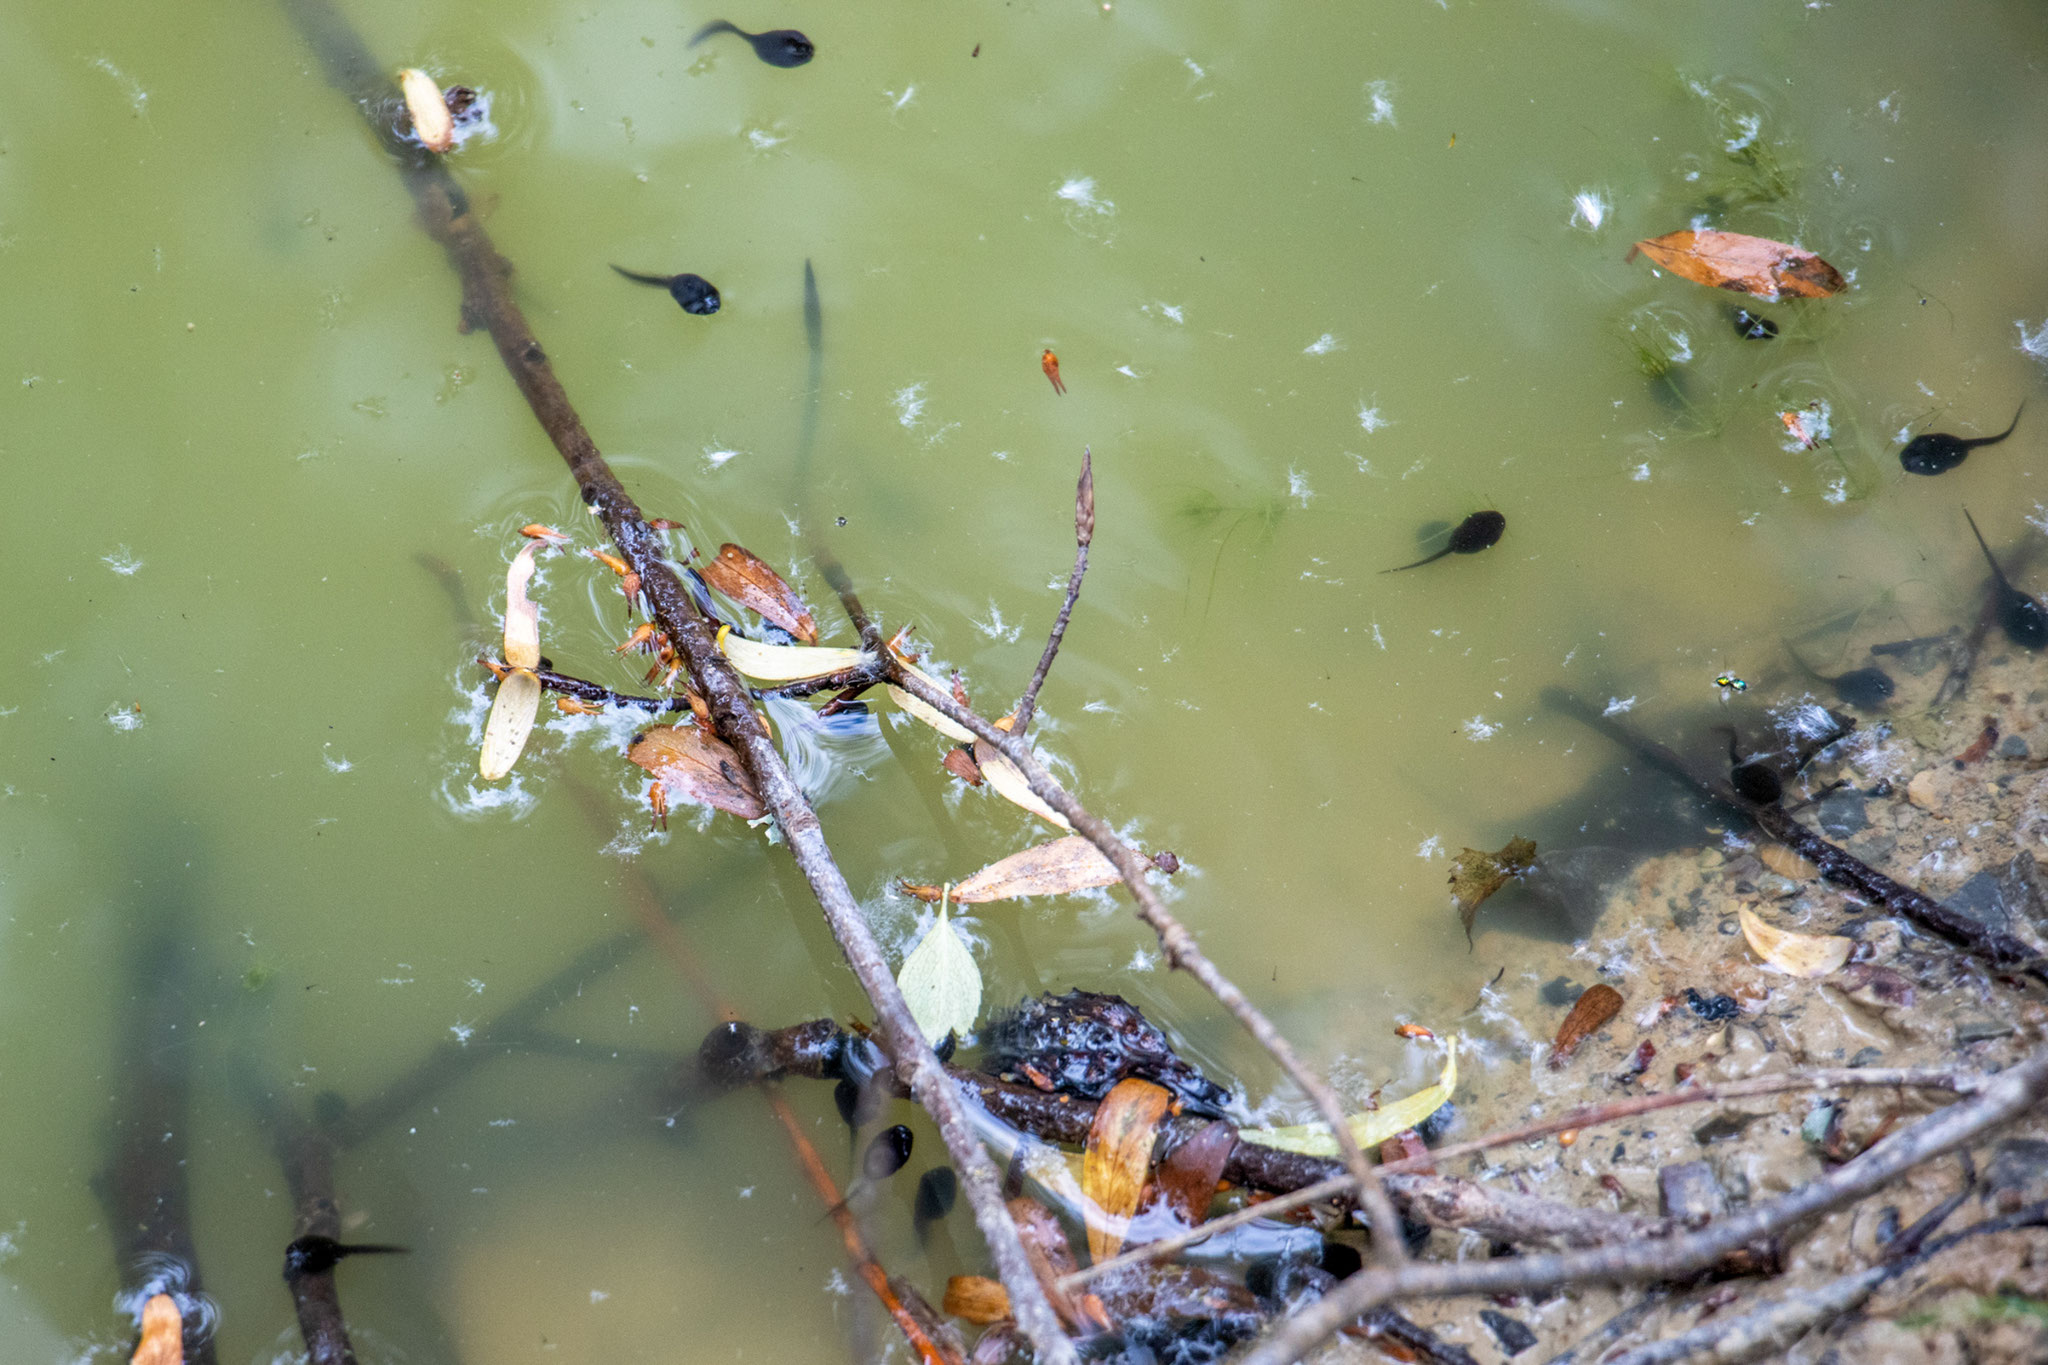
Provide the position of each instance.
(698, 296)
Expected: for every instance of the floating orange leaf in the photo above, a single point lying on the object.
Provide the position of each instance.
(741, 575)
(696, 767)
(976, 1298)
(1069, 864)
(1747, 265)
(1589, 1015)
(960, 763)
(163, 1334)
(1117, 1159)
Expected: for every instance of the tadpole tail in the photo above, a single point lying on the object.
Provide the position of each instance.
(372, 1249)
(717, 26)
(2009, 429)
(1420, 562)
(814, 385)
(1996, 572)
(658, 281)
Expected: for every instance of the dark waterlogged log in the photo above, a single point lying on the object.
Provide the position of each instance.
(143, 1186)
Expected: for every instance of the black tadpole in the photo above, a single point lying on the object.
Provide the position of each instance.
(1753, 326)
(1754, 782)
(316, 1255)
(1473, 534)
(783, 47)
(1937, 452)
(2025, 620)
(937, 1188)
(887, 1153)
(1867, 689)
(697, 294)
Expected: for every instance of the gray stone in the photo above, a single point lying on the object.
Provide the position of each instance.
(1980, 1029)
(2012, 746)
(2018, 1173)
(2004, 896)
(1841, 814)
(1689, 1193)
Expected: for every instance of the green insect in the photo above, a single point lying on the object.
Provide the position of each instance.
(1728, 682)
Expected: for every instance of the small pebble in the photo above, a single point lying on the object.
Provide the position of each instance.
(2012, 746)
(1514, 1337)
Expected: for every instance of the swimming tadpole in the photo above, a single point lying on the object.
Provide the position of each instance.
(697, 295)
(1937, 452)
(1754, 781)
(316, 1255)
(1475, 533)
(2023, 618)
(784, 47)
(887, 1153)
(1752, 326)
(937, 1189)
(1867, 689)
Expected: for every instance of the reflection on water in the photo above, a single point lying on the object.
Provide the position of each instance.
(1316, 280)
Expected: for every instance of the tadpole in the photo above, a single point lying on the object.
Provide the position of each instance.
(784, 47)
(2025, 620)
(1937, 452)
(697, 295)
(1473, 534)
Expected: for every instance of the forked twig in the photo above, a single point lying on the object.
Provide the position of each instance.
(444, 212)
(1182, 952)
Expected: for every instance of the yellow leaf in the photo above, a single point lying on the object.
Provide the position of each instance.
(930, 715)
(522, 614)
(1370, 1129)
(511, 721)
(1807, 955)
(784, 663)
(1010, 784)
(163, 1334)
(1069, 864)
(1117, 1159)
(941, 983)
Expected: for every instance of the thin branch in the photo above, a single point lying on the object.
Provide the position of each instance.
(1584, 1117)
(1183, 953)
(444, 213)
(1084, 532)
(307, 1155)
(2004, 1097)
(597, 694)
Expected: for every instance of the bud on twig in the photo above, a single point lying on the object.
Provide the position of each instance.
(1084, 499)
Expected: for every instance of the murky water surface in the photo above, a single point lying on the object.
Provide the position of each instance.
(1322, 280)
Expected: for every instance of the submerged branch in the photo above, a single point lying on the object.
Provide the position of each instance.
(1836, 864)
(444, 212)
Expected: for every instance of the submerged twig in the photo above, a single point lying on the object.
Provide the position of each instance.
(444, 212)
(306, 1152)
(1084, 532)
(2003, 1098)
(1836, 864)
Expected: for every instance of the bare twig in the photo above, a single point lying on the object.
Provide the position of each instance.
(2003, 1098)
(444, 212)
(307, 1155)
(1183, 953)
(1776, 1325)
(1084, 532)
(597, 694)
(1584, 1117)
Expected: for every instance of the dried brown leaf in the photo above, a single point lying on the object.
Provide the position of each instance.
(960, 762)
(1117, 1159)
(741, 575)
(693, 766)
(1189, 1174)
(1747, 265)
(976, 1298)
(163, 1334)
(1595, 1007)
(1069, 864)
(1476, 875)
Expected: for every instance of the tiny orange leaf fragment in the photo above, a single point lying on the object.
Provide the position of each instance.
(1117, 1159)
(536, 531)
(163, 1334)
(1594, 1008)
(693, 766)
(960, 763)
(976, 1298)
(1747, 265)
(741, 575)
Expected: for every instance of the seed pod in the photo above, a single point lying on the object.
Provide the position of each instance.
(1594, 1009)
(431, 121)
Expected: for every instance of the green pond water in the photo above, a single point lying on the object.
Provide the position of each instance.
(1322, 279)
